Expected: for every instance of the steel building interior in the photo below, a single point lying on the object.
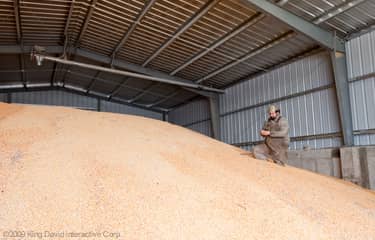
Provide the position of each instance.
(212, 66)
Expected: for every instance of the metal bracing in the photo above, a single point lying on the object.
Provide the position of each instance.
(147, 6)
(251, 21)
(182, 29)
(324, 38)
(23, 73)
(343, 97)
(118, 88)
(91, 84)
(87, 20)
(130, 74)
(144, 92)
(257, 51)
(17, 18)
(337, 10)
(69, 18)
(66, 40)
(169, 96)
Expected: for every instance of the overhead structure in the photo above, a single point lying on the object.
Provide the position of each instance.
(192, 47)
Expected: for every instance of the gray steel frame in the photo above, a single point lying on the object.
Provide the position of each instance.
(324, 38)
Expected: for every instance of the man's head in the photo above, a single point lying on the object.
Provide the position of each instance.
(273, 111)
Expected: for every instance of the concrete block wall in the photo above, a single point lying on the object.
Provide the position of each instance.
(323, 161)
(354, 164)
(358, 165)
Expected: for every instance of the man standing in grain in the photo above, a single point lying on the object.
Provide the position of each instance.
(276, 143)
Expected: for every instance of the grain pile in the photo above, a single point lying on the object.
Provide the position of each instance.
(71, 174)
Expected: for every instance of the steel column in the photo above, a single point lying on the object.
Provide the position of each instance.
(343, 97)
(215, 116)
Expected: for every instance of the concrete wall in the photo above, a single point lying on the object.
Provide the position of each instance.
(354, 164)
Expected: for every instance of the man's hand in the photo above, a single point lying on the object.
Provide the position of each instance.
(265, 133)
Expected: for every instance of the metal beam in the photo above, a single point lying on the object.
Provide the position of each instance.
(321, 36)
(87, 20)
(174, 93)
(18, 21)
(133, 26)
(340, 73)
(92, 81)
(144, 92)
(118, 88)
(53, 77)
(23, 74)
(337, 10)
(139, 69)
(215, 116)
(268, 45)
(18, 49)
(182, 29)
(130, 74)
(69, 18)
(251, 21)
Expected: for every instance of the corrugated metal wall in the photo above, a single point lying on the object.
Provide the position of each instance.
(106, 106)
(58, 98)
(304, 91)
(361, 68)
(63, 98)
(3, 97)
(194, 115)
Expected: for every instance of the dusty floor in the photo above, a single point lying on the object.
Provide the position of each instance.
(68, 171)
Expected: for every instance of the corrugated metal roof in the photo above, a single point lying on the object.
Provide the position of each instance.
(210, 42)
(346, 17)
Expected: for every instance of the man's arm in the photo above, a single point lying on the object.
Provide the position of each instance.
(284, 128)
(265, 130)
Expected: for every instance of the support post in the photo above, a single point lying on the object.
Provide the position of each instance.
(215, 115)
(343, 98)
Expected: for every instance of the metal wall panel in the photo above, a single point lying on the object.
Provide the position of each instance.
(365, 139)
(190, 113)
(58, 98)
(202, 127)
(106, 106)
(311, 114)
(3, 97)
(62, 98)
(306, 74)
(361, 71)
(361, 55)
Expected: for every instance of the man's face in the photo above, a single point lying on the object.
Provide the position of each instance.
(272, 114)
